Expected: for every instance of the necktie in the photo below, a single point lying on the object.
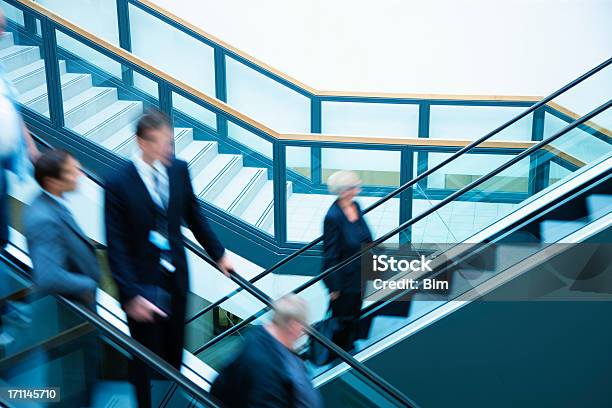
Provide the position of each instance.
(161, 189)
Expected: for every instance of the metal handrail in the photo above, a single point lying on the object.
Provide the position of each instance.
(347, 358)
(127, 57)
(125, 341)
(419, 177)
(424, 214)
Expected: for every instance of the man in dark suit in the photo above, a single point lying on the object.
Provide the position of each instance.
(266, 372)
(146, 203)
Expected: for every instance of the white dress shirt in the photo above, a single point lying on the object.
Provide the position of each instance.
(148, 173)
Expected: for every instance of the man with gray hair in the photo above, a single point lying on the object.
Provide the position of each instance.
(267, 373)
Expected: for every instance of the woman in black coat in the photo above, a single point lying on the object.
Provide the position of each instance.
(344, 234)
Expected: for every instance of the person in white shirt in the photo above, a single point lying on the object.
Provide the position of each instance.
(146, 204)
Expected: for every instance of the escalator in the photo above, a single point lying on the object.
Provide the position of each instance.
(570, 209)
(581, 151)
(57, 343)
(567, 151)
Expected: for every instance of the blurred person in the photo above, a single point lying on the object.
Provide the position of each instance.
(146, 203)
(63, 257)
(267, 373)
(344, 233)
(16, 145)
(64, 263)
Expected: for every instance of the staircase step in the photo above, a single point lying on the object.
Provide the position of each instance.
(553, 231)
(198, 154)
(32, 75)
(260, 211)
(72, 85)
(598, 205)
(241, 190)
(87, 104)
(122, 142)
(214, 178)
(6, 40)
(182, 138)
(107, 122)
(17, 56)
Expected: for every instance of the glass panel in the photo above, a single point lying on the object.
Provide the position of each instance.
(97, 103)
(79, 54)
(191, 112)
(557, 172)
(298, 160)
(370, 119)
(266, 100)
(99, 17)
(374, 167)
(462, 171)
(472, 122)
(22, 59)
(587, 142)
(237, 180)
(250, 139)
(53, 346)
(461, 218)
(308, 204)
(172, 51)
(349, 388)
(12, 13)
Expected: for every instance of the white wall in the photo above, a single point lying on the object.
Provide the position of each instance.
(520, 47)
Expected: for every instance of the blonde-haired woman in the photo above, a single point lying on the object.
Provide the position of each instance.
(344, 233)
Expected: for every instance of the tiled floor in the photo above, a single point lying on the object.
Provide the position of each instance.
(453, 223)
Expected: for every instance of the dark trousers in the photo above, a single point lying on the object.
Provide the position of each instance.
(165, 338)
(347, 308)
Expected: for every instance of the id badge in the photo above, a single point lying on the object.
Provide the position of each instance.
(159, 240)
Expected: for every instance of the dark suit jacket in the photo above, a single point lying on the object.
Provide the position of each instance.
(342, 239)
(257, 377)
(63, 257)
(130, 215)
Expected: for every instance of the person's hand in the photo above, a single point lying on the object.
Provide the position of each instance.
(226, 266)
(334, 295)
(141, 310)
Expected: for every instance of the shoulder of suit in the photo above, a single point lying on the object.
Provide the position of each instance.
(40, 211)
(118, 175)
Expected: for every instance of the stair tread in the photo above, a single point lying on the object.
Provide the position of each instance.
(99, 118)
(193, 149)
(14, 50)
(599, 204)
(209, 174)
(245, 177)
(120, 137)
(73, 103)
(20, 72)
(41, 90)
(554, 230)
(259, 204)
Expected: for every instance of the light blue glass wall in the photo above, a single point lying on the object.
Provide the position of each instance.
(172, 51)
(266, 100)
(471, 122)
(369, 119)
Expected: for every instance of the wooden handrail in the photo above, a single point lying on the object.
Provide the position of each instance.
(230, 111)
(192, 27)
